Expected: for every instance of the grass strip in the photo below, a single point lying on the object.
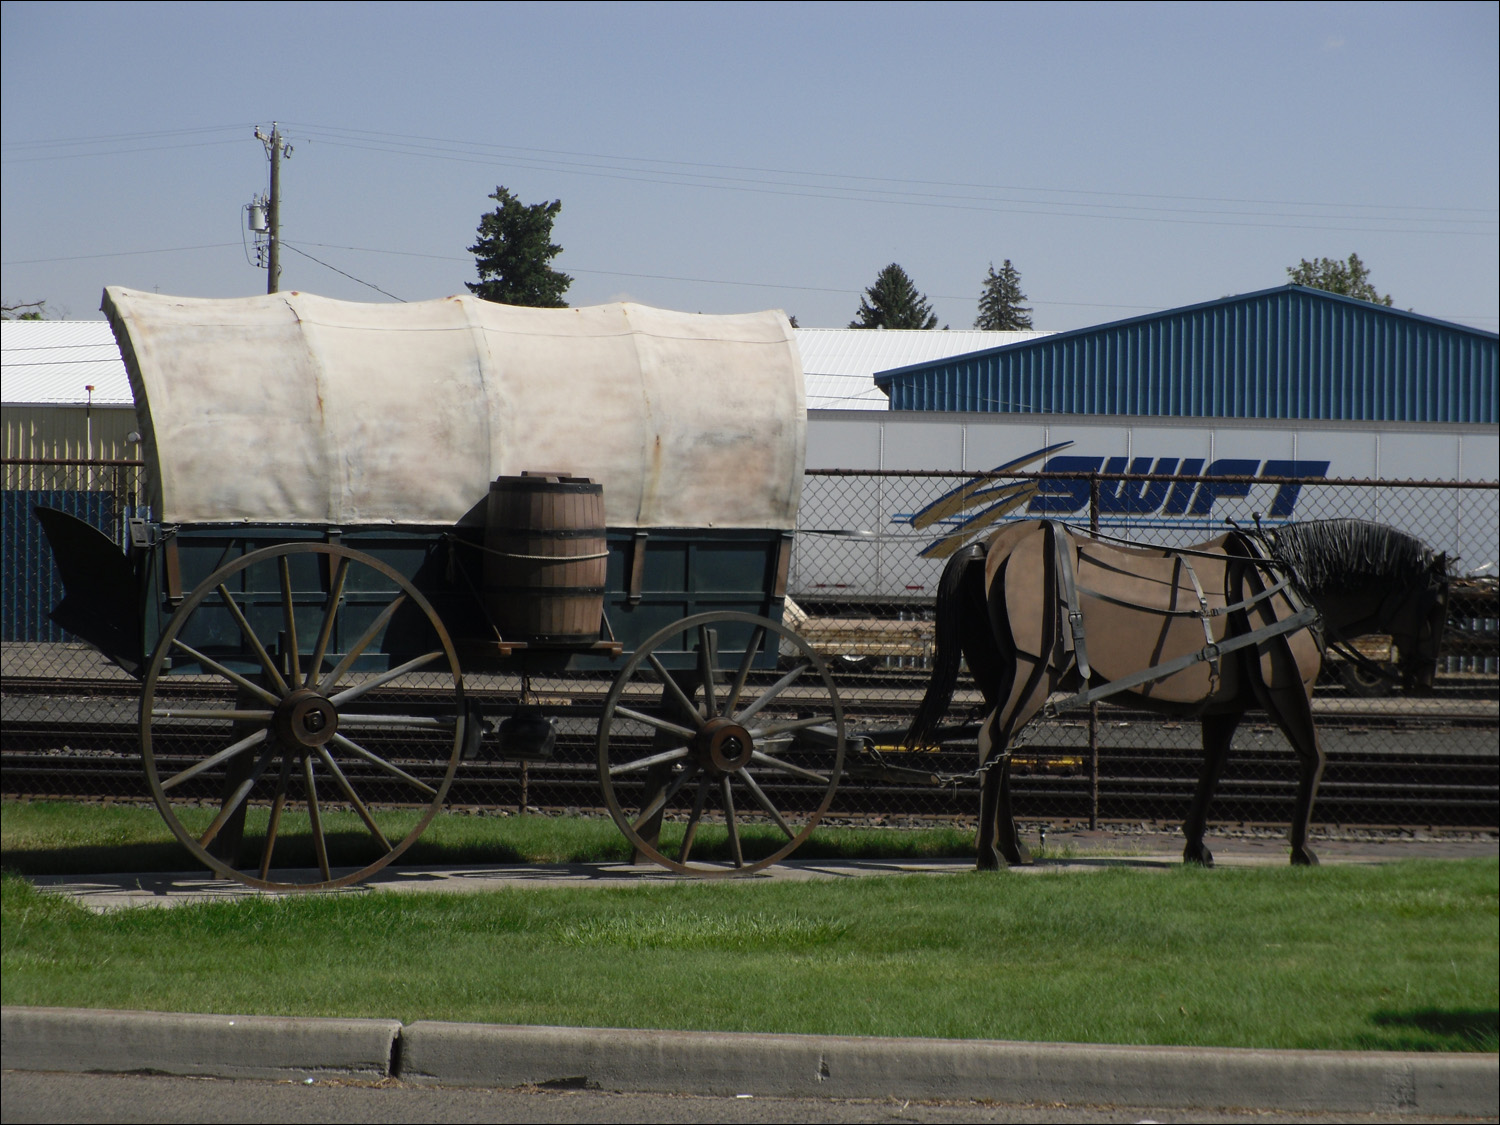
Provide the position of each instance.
(58, 838)
(1398, 957)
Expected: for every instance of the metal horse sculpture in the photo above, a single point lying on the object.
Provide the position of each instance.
(1206, 632)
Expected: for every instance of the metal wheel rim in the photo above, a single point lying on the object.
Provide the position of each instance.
(164, 648)
(609, 771)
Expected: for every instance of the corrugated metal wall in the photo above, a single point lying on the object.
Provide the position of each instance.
(32, 586)
(1289, 353)
(68, 431)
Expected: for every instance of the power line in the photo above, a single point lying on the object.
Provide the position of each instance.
(335, 269)
(915, 199)
(393, 139)
(117, 254)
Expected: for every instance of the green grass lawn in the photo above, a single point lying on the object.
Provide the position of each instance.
(1401, 956)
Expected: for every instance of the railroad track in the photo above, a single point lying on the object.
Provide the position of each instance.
(1401, 760)
(1436, 773)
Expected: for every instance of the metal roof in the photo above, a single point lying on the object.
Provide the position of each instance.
(49, 362)
(1289, 352)
(54, 362)
(840, 363)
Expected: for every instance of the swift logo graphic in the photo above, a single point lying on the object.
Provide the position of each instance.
(1179, 499)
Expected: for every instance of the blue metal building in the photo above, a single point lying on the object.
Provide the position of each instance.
(1289, 352)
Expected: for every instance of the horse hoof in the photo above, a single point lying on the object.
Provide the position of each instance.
(1304, 857)
(1200, 856)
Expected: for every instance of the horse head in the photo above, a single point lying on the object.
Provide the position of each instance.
(1369, 578)
(1415, 618)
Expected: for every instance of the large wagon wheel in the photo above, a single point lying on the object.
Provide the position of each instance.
(294, 630)
(714, 741)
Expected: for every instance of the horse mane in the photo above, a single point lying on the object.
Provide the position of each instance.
(1345, 555)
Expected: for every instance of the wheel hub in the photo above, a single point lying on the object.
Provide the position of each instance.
(306, 720)
(724, 747)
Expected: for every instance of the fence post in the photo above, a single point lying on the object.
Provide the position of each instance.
(1093, 707)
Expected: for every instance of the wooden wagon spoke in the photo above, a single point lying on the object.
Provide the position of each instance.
(359, 806)
(272, 673)
(330, 615)
(237, 797)
(700, 802)
(752, 650)
(726, 794)
(384, 678)
(233, 676)
(659, 802)
(674, 689)
(771, 693)
(676, 754)
(220, 758)
(659, 723)
(356, 650)
(765, 802)
(787, 767)
(771, 730)
(289, 617)
(223, 714)
(315, 816)
(346, 743)
(706, 670)
(273, 825)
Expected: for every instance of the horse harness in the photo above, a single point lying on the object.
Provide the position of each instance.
(1074, 638)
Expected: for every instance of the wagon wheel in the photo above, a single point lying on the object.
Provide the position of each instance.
(303, 634)
(719, 741)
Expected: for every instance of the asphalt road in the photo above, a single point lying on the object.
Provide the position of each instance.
(68, 1098)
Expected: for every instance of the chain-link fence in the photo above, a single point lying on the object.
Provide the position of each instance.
(861, 592)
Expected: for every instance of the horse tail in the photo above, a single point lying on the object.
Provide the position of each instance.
(960, 603)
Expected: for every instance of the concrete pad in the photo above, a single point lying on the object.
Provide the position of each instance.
(278, 1047)
(1074, 851)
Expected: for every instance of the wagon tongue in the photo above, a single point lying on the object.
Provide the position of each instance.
(101, 596)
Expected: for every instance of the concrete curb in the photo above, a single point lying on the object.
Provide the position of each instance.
(710, 1063)
(83, 1039)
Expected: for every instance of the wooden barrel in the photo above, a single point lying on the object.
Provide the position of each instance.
(545, 557)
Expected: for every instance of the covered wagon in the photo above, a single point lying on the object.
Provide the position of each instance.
(346, 506)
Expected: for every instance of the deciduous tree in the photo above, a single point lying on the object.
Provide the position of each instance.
(1351, 278)
(24, 310)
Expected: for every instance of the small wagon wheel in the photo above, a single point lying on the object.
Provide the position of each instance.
(718, 742)
(303, 634)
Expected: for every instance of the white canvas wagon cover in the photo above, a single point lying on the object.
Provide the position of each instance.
(297, 409)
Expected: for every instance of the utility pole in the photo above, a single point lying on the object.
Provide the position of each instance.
(276, 148)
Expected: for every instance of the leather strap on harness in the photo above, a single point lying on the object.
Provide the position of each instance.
(1067, 584)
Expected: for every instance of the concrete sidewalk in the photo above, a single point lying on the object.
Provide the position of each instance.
(725, 1064)
(1077, 851)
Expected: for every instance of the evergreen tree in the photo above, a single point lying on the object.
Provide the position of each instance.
(1000, 301)
(1351, 278)
(514, 248)
(893, 302)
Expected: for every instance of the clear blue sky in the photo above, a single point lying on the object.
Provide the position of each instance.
(731, 157)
